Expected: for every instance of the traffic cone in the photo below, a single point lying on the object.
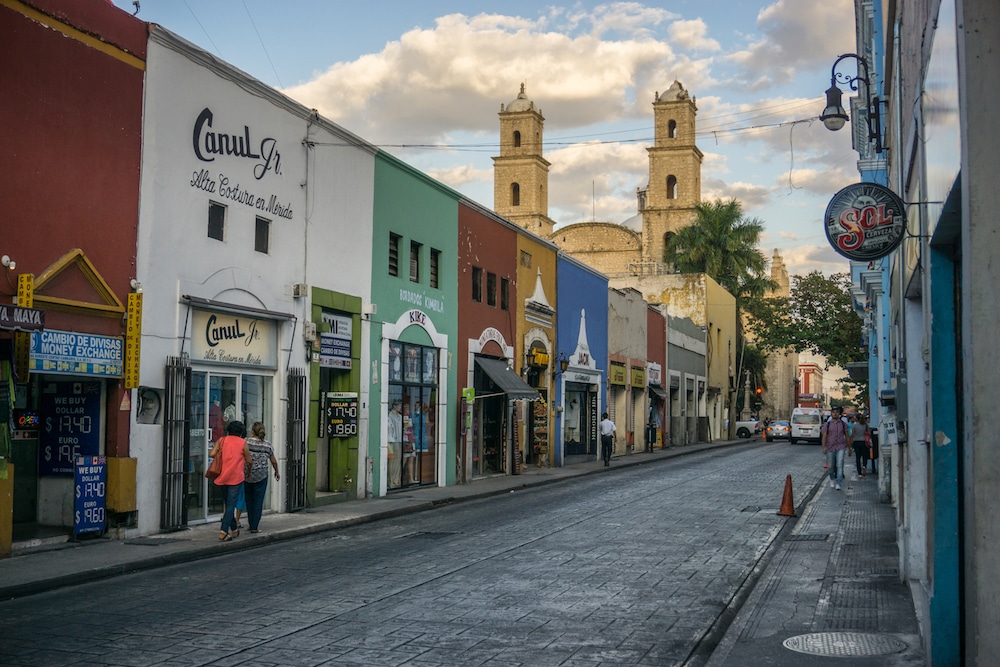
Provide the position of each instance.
(787, 504)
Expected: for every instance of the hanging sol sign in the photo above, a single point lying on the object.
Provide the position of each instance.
(865, 221)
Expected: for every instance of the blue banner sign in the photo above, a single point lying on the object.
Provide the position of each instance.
(70, 425)
(334, 352)
(71, 353)
(90, 498)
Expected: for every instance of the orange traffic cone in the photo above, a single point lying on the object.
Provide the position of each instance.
(787, 504)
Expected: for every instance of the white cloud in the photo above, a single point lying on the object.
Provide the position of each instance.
(795, 36)
(692, 35)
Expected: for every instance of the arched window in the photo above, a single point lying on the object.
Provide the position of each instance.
(517, 138)
(672, 129)
(515, 194)
(671, 187)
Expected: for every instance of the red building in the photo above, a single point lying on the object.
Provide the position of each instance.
(656, 365)
(487, 316)
(70, 125)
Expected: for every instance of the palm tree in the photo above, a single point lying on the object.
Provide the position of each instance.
(723, 244)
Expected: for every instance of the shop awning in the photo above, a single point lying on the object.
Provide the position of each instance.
(662, 395)
(508, 381)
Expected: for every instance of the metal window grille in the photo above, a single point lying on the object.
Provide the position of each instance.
(394, 254)
(295, 444)
(176, 443)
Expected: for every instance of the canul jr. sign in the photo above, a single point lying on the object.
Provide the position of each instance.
(865, 221)
(238, 340)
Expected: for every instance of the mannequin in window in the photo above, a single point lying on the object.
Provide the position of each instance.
(572, 419)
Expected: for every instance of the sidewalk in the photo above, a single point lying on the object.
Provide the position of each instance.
(830, 589)
(829, 585)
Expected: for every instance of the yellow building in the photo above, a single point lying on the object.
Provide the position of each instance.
(535, 346)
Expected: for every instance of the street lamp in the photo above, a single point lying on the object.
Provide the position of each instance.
(834, 116)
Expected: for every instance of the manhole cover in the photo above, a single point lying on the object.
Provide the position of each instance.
(809, 537)
(844, 644)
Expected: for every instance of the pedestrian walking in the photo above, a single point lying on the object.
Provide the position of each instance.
(834, 435)
(861, 440)
(235, 456)
(255, 484)
(608, 429)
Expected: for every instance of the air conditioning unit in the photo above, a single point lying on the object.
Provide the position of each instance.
(300, 290)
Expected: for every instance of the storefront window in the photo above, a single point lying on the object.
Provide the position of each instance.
(412, 428)
(217, 399)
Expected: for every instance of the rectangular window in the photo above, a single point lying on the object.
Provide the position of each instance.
(435, 265)
(491, 289)
(504, 294)
(415, 261)
(394, 254)
(262, 237)
(216, 221)
(477, 284)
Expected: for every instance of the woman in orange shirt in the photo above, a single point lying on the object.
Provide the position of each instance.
(235, 457)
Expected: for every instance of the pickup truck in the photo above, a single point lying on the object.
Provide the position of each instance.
(744, 429)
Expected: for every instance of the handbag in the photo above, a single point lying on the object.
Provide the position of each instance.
(215, 467)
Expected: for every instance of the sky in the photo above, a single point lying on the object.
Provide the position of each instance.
(425, 81)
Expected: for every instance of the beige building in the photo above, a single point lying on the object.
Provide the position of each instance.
(782, 370)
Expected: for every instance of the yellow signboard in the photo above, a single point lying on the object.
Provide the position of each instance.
(22, 339)
(133, 340)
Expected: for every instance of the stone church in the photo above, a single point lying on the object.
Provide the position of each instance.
(520, 177)
(631, 253)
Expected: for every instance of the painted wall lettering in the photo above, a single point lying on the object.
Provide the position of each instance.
(207, 144)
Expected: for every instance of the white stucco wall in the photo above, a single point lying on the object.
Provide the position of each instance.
(320, 234)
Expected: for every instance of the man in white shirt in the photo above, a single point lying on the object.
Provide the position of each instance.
(607, 429)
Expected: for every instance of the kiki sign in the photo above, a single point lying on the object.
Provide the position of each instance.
(865, 221)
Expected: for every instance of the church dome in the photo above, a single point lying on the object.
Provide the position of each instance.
(634, 223)
(522, 103)
(674, 93)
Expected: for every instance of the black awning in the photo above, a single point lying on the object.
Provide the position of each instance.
(507, 380)
(658, 392)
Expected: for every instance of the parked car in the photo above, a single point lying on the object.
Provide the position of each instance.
(744, 429)
(779, 429)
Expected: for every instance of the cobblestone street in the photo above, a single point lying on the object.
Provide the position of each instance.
(626, 568)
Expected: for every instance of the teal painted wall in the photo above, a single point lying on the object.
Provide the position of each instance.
(421, 210)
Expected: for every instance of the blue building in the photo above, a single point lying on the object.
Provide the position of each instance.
(582, 359)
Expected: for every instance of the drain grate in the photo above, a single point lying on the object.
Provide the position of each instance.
(844, 644)
(809, 537)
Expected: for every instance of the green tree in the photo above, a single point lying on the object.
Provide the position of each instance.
(818, 317)
(722, 243)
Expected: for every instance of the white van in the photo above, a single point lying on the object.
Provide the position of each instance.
(805, 425)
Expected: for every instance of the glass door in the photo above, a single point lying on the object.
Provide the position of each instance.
(214, 402)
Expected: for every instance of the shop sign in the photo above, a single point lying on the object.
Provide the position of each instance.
(617, 374)
(21, 319)
(654, 372)
(335, 346)
(71, 425)
(71, 353)
(90, 497)
(236, 340)
(639, 377)
(865, 221)
(341, 414)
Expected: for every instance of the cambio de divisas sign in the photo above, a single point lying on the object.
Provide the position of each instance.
(237, 340)
(865, 221)
(207, 144)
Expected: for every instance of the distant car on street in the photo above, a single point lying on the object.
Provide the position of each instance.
(779, 429)
(806, 425)
(744, 429)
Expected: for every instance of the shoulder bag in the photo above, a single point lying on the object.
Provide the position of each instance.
(215, 467)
